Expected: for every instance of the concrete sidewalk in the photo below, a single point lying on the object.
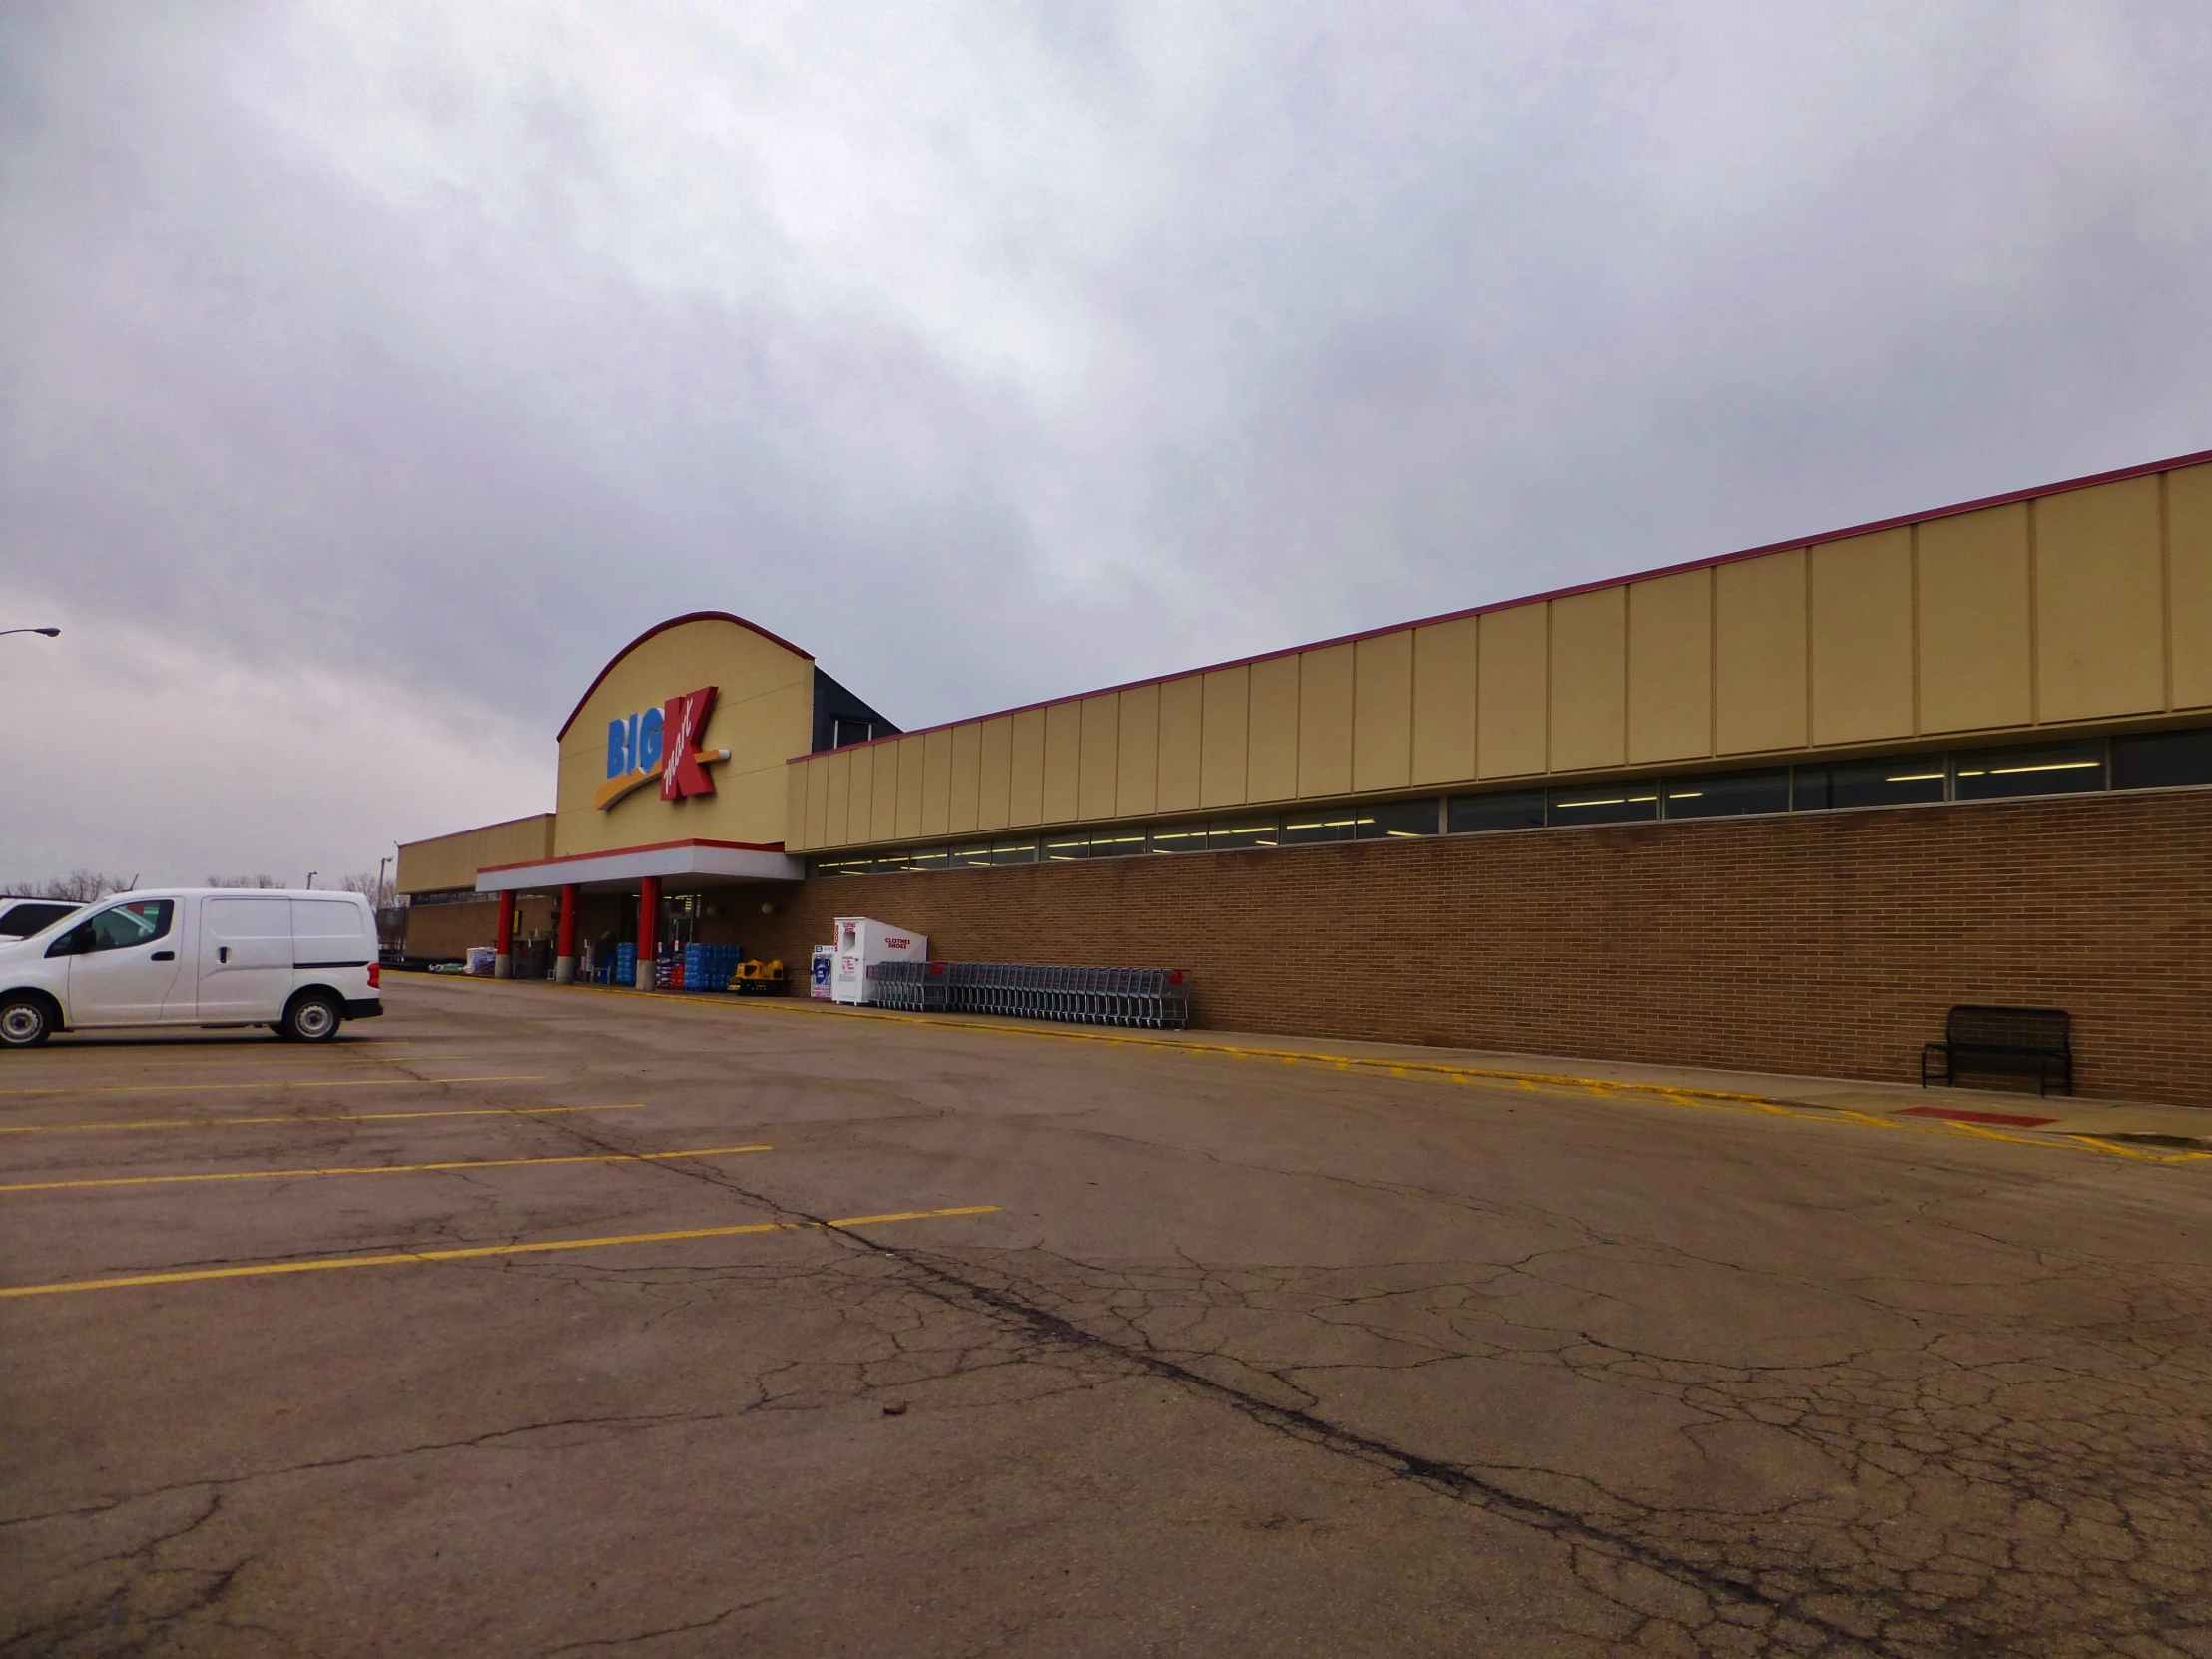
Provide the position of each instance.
(2147, 1123)
(2004, 1108)
(2139, 1121)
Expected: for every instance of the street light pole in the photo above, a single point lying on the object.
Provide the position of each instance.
(50, 633)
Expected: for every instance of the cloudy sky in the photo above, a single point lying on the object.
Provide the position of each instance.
(369, 372)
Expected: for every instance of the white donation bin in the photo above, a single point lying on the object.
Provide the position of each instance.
(864, 941)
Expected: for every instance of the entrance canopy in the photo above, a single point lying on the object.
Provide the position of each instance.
(676, 864)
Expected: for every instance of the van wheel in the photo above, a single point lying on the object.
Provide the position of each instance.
(25, 1021)
(312, 1018)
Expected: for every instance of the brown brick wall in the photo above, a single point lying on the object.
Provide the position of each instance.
(1828, 944)
(440, 930)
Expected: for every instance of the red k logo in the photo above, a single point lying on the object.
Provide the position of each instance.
(683, 719)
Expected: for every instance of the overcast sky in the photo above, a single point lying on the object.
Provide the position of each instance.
(370, 373)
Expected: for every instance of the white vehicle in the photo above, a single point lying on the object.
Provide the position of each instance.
(20, 918)
(297, 962)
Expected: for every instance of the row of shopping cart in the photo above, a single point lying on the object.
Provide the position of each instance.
(1156, 999)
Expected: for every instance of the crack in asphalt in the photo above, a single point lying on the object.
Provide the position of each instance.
(489, 1437)
(718, 1619)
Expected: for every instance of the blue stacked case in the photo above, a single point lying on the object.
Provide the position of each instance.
(710, 967)
(626, 964)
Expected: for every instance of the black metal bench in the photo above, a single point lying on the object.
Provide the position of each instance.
(1978, 1037)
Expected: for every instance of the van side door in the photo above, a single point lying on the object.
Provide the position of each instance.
(244, 959)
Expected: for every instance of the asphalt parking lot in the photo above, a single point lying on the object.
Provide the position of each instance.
(544, 1322)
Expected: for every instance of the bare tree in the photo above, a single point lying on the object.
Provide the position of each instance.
(82, 886)
(373, 885)
(243, 881)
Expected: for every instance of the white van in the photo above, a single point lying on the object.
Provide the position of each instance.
(297, 962)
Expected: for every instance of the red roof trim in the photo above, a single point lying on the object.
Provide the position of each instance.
(2061, 488)
(622, 852)
(662, 627)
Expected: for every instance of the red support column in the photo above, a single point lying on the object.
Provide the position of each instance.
(564, 953)
(503, 944)
(649, 927)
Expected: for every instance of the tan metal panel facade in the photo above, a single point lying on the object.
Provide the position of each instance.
(2086, 604)
(1670, 667)
(1382, 712)
(446, 862)
(817, 829)
(1589, 680)
(1861, 636)
(1179, 705)
(936, 783)
(998, 773)
(1271, 762)
(886, 795)
(967, 777)
(1325, 720)
(2098, 605)
(796, 787)
(2189, 581)
(1101, 754)
(1975, 659)
(1137, 760)
(1443, 701)
(1227, 711)
(860, 816)
(1760, 690)
(886, 814)
(838, 768)
(911, 753)
(1027, 769)
(1063, 761)
(1513, 669)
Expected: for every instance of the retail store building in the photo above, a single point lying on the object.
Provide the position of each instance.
(1777, 810)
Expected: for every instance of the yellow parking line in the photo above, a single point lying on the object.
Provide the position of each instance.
(291, 1065)
(295, 1083)
(396, 1257)
(373, 1169)
(327, 1117)
(106, 1057)
(361, 1059)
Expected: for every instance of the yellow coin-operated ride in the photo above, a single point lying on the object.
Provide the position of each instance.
(757, 978)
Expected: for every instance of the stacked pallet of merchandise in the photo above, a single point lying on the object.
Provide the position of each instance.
(708, 967)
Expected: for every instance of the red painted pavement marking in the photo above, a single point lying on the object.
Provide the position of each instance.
(1945, 1112)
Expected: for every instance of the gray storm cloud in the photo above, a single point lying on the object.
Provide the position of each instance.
(995, 352)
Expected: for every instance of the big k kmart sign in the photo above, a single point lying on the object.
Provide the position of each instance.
(661, 744)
